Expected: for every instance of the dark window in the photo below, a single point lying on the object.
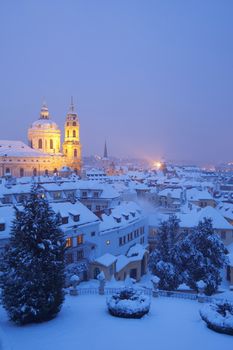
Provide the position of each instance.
(75, 153)
(76, 217)
(74, 133)
(40, 143)
(74, 124)
(93, 234)
(69, 258)
(51, 144)
(64, 220)
(21, 172)
(2, 226)
(80, 254)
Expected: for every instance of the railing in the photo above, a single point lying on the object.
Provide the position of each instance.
(179, 295)
(149, 292)
(87, 291)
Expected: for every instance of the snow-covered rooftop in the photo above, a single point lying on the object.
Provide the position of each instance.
(18, 149)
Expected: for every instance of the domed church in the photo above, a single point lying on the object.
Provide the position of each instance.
(43, 155)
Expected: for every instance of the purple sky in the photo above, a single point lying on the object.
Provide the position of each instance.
(153, 77)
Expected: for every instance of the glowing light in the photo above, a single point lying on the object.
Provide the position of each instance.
(157, 164)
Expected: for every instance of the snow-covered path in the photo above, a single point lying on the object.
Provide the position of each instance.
(84, 324)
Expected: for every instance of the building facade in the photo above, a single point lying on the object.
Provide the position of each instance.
(43, 155)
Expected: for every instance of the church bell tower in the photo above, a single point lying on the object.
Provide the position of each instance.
(71, 145)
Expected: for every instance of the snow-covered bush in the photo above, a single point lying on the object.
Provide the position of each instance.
(218, 316)
(128, 303)
(32, 267)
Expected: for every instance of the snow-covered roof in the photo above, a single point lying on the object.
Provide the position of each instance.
(67, 209)
(106, 260)
(194, 194)
(127, 212)
(44, 124)
(193, 218)
(18, 149)
(172, 192)
(226, 209)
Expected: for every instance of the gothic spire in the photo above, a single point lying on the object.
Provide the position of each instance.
(105, 150)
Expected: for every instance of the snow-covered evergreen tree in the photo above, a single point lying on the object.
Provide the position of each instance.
(161, 262)
(33, 263)
(201, 256)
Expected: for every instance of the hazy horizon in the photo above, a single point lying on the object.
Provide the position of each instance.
(153, 78)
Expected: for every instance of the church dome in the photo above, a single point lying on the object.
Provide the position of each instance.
(44, 124)
(44, 134)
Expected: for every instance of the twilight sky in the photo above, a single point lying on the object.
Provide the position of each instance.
(153, 77)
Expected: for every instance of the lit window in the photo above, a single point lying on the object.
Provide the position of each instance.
(80, 239)
(69, 242)
(107, 242)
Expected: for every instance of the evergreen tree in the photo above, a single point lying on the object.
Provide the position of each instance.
(33, 264)
(161, 262)
(201, 256)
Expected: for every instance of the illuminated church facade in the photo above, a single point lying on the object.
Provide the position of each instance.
(44, 154)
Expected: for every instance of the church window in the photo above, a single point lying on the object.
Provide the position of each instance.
(74, 133)
(21, 172)
(74, 124)
(68, 133)
(46, 172)
(40, 143)
(75, 153)
(34, 172)
(51, 144)
(67, 124)
(7, 171)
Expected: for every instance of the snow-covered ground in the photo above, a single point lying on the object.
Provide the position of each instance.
(85, 324)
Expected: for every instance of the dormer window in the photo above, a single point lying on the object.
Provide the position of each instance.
(64, 220)
(84, 194)
(96, 194)
(118, 219)
(126, 217)
(76, 217)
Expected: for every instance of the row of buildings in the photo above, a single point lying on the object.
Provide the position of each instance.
(103, 232)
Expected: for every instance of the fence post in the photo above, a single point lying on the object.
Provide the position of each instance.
(201, 287)
(74, 280)
(101, 279)
(155, 281)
